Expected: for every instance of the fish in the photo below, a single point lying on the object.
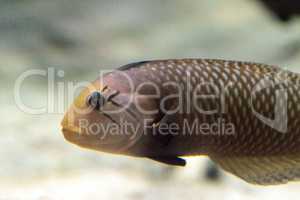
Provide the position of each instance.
(244, 116)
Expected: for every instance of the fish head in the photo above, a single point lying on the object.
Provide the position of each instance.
(99, 119)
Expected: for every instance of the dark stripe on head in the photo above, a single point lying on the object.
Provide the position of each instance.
(132, 65)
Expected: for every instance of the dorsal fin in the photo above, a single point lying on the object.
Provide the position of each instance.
(132, 65)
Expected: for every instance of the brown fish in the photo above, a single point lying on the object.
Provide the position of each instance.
(244, 116)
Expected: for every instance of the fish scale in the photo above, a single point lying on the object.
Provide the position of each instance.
(236, 68)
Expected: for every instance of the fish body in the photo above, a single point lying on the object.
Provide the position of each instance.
(244, 116)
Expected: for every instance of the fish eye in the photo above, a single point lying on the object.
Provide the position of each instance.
(96, 100)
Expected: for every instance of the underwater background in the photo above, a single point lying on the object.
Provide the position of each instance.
(73, 40)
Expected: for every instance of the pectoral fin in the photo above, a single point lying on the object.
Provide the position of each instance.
(176, 161)
(162, 135)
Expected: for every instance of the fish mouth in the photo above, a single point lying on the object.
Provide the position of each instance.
(79, 138)
(70, 135)
(75, 138)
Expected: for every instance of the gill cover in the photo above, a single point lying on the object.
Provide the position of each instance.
(126, 116)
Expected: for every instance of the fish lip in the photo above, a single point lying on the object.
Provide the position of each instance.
(74, 137)
(67, 130)
(70, 135)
